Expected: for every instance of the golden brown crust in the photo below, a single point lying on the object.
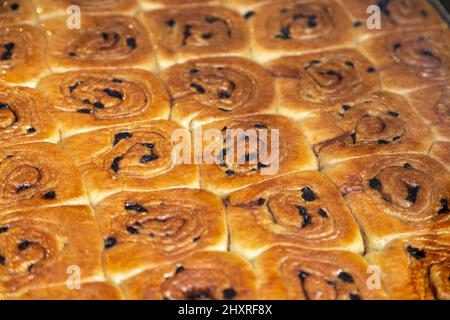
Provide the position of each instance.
(294, 274)
(159, 227)
(441, 152)
(322, 81)
(87, 291)
(23, 59)
(85, 100)
(182, 33)
(433, 105)
(381, 123)
(38, 175)
(204, 275)
(39, 246)
(303, 210)
(285, 151)
(415, 268)
(291, 27)
(410, 60)
(17, 12)
(109, 41)
(395, 16)
(246, 7)
(211, 89)
(131, 158)
(48, 8)
(395, 196)
(23, 117)
(157, 4)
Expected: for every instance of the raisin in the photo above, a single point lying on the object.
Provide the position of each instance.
(357, 24)
(9, 46)
(397, 46)
(132, 230)
(229, 172)
(3, 106)
(115, 165)
(207, 36)
(303, 275)
(407, 166)
(131, 42)
(371, 70)
(249, 14)
(193, 71)
(2, 260)
(110, 242)
(223, 95)
(117, 80)
(84, 111)
(98, 105)
(197, 238)
(308, 194)
(417, 253)
(412, 193)
(261, 201)
(113, 93)
(229, 293)
(135, 207)
(323, 213)
(375, 184)
(383, 142)
(121, 136)
(170, 23)
(260, 126)
(198, 88)
(179, 269)
(346, 107)
(24, 245)
(393, 114)
(148, 158)
(14, 6)
(354, 296)
(307, 219)
(51, 195)
(31, 130)
(285, 33)
(346, 277)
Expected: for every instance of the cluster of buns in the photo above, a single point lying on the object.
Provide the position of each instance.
(96, 204)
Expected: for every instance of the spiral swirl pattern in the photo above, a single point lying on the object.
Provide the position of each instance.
(209, 89)
(302, 209)
(409, 193)
(22, 117)
(289, 273)
(37, 246)
(321, 81)
(159, 226)
(85, 100)
(416, 268)
(203, 276)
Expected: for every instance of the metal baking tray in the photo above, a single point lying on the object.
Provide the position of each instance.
(443, 10)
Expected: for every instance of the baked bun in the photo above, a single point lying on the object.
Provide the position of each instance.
(22, 55)
(246, 7)
(410, 60)
(395, 196)
(38, 175)
(85, 100)
(103, 41)
(202, 276)
(291, 27)
(48, 8)
(321, 81)
(17, 11)
(156, 4)
(131, 158)
(441, 152)
(87, 291)
(395, 16)
(23, 117)
(433, 105)
(211, 89)
(287, 273)
(264, 146)
(302, 209)
(182, 33)
(39, 247)
(415, 268)
(380, 123)
(145, 230)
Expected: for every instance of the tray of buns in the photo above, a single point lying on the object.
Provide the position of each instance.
(117, 180)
